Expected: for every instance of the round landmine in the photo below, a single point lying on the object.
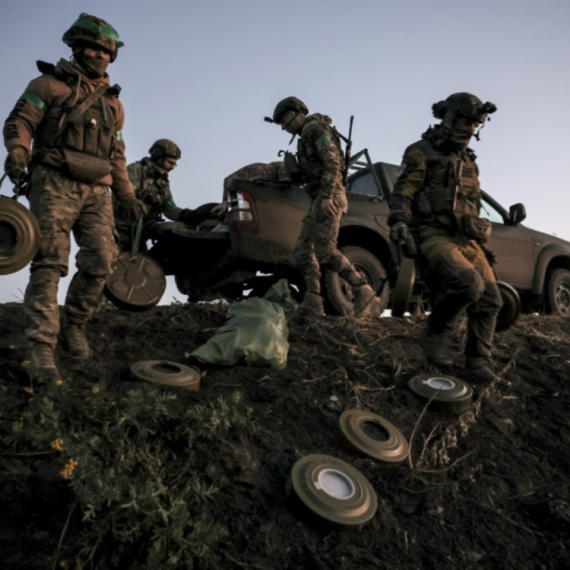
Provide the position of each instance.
(166, 373)
(330, 491)
(404, 287)
(447, 393)
(370, 435)
(136, 284)
(19, 236)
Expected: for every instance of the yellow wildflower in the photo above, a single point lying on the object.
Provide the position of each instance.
(59, 382)
(67, 471)
(95, 390)
(57, 444)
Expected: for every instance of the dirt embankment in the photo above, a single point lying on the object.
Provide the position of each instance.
(486, 489)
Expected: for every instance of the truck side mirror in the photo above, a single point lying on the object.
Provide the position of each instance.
(517, 213)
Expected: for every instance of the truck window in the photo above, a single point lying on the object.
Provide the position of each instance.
(487, 211)
(363, 185)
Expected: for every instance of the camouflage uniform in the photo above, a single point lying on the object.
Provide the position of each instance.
(61, 201)
(437, 194)
(152, 186)
(257, 170)
(321, 164)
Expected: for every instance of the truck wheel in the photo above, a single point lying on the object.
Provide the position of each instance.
(338, 293)
(558, 292)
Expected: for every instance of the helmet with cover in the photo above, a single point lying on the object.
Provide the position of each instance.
(287, 104)
(164, 148)
(90, 29)
(463, 105)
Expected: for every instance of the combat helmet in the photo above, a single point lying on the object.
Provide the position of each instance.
(94, 30)
(164, 148)
(465, 105)
(286, 104)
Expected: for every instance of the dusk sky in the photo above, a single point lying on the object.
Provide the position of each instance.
(205, 73)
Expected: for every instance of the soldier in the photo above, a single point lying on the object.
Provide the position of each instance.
(435, 205)
(256, 171)
(149, 177)
(321, 166)
(74, 119)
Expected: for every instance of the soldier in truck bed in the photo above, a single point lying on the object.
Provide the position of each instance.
(74, 120)
(255, 171)
(321, 165)
(150, 180)
(435, 206)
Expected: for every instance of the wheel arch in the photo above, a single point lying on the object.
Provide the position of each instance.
(367, 239)
(550, 258)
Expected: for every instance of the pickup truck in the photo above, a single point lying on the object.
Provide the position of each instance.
(253, 248)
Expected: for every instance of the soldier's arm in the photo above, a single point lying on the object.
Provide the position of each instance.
(135, 172)
(121, 186)
(328, 152)
(29, 111)
(169, 207)
(408, 184)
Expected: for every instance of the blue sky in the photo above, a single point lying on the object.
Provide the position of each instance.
(205, 73)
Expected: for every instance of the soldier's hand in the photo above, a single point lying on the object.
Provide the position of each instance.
(220, 208)
(16, 163)
(329, 207)
(400, 234)
(133, 208)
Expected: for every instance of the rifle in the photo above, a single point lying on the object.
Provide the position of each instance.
(347, 150)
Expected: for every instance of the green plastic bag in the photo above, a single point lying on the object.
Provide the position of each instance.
(256, 332)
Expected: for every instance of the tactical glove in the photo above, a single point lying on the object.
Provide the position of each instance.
(489, 254)
(194, 217)
(133, 208)
(16, 163)
(400, 234)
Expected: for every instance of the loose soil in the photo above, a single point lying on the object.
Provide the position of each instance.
(486, 489)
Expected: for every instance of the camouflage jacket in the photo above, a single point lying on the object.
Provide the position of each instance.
(35, 120)
(152, 186)
(438, 185)
(257, 170)
(320, 159)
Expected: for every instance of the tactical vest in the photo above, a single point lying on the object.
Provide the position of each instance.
(451, 184)
(88, 141)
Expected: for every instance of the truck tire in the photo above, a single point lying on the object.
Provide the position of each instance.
(558, 292)
(337, 292)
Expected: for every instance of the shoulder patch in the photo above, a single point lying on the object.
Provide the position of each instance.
(34, 99)
(322, 140)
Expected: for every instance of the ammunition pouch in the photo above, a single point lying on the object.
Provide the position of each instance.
(423, 204)
(441, 200)
(476, 228)
(84, 168)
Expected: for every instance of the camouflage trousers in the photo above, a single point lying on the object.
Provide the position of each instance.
(316, 249)
(461, 278)
(61, 207)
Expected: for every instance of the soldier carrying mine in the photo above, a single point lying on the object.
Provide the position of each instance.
(435, 209)
(74, 119)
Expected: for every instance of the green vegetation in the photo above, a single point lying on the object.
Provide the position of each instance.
(139, 504)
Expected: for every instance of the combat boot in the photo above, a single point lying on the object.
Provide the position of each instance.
(312, 305)
(478, 370)
(76, 342)
(436, 348)
(40, 365)
(365, 301)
